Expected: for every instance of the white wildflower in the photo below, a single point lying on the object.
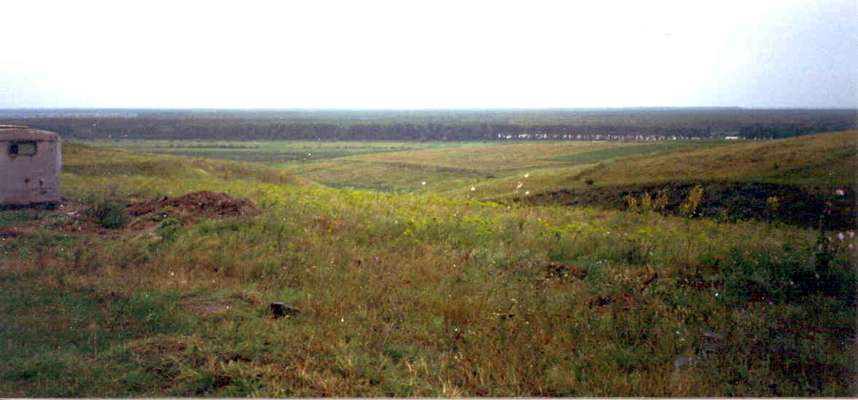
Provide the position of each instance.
(473, 188)
(527, 192)
(527, 175)
(423, 183)
(840, 192)
(841, 236)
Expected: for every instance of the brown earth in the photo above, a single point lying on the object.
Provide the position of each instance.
(145, 214)
(193, 206)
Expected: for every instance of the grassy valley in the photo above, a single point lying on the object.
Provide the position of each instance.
(483, 281)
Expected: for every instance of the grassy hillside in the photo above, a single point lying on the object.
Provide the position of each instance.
(791, 181)
(823, 159)
(409, 294)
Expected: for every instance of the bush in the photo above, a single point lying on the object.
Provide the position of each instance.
(169, 229)
(109, 214)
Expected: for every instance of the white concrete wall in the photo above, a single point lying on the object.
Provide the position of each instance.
(32, 179)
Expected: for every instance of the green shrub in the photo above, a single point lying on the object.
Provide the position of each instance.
(168, 229)
(110, 214)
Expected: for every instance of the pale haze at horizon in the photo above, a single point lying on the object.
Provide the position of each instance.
(428, 54)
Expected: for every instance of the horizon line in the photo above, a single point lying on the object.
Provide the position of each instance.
(854, 108)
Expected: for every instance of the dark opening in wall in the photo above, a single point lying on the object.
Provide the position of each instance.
(22, 148)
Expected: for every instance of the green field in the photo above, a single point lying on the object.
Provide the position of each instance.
(406, 289)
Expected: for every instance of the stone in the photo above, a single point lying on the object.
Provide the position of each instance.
(280, 310)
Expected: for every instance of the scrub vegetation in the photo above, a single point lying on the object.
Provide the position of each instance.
(435, 125)
(455, 287)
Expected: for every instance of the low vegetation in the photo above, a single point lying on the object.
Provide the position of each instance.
(418, 292)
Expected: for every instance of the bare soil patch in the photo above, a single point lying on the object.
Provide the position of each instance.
(208, 308)
(193, 206)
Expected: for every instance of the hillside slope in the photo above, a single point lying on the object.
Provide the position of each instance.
(817, 160)
(798, 181)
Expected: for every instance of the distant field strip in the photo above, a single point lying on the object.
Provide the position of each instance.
(631, 150)
(269, 152)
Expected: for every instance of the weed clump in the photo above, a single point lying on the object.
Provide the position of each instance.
(110, 214)
(632, 204)
(691, 205)
(647, 203)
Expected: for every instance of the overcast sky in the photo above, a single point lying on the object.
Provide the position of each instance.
(428, 54)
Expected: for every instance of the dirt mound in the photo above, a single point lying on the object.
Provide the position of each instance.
(729, 201)
(194, 205)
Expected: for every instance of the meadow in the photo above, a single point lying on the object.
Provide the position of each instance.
(455, 287)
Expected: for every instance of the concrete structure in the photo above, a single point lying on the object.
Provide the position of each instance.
(30, 161)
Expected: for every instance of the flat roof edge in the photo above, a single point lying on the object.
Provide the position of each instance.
(13, 133)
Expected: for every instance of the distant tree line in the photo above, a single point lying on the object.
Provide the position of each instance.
(632, 124)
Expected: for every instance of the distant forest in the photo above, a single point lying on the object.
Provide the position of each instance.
(482, 125)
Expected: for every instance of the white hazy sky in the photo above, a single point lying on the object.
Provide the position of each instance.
(428, 54)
